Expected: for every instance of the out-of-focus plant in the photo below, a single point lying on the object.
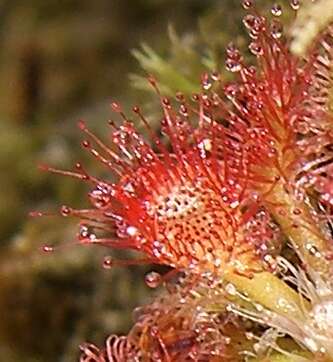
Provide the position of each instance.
(312, 18)
(189, 55)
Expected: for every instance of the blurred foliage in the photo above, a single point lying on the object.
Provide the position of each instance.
(74, 53)
(178, 67)
(188, 55)
(312, 18)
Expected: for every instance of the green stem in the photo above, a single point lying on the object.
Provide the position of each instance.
(279, 357)
(271, 292)
(297, 223)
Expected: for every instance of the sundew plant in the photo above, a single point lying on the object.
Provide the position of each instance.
(234, 195)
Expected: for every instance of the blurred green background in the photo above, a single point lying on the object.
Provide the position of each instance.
(61, 61)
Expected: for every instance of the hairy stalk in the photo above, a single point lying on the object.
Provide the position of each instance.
(297, 223)
(270, 291)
